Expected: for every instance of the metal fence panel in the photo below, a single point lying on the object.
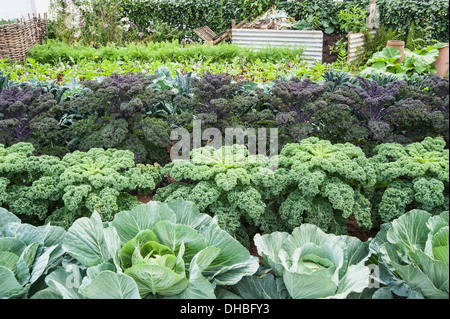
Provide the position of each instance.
(311, 41)
(355, 45)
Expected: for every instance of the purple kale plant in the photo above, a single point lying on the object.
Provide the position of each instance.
(395, 112)
(114, 115)
(27, 115)
(218, 95)
(372, 104)
(295, 104)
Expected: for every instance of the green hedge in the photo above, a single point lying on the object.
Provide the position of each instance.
(217, 14)
(188, 15)
(399, 14)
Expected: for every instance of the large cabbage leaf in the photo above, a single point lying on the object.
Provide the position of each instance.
(169, 250)
(314, 264)
(413, 255)
(26, 254)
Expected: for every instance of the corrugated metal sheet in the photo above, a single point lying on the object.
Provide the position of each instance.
(311, 41)
(355, 45)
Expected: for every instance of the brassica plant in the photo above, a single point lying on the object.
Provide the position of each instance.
(228, 183)
(326, 185)
(314, 264)
(27, 253)
(169, 249)
(413, 255)
(410, 177)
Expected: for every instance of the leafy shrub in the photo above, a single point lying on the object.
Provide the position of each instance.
(192, 14)
(313, 264)
(27, 254)
(412, 256)
(325, 15)
(170, 250)
(399, 14)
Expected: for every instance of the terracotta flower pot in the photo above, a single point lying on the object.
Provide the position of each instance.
(441, 63)
(399, 45)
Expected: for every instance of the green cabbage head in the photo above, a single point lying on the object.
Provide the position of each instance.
(27, 253)
(413, 255)
(314, 264)
(170, 250)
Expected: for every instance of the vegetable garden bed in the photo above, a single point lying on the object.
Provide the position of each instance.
(171, 170)
(73, 163)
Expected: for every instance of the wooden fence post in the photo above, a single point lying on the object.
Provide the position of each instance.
(372, 14)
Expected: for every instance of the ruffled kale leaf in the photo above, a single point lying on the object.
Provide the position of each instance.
(415, 176)
(114, 115)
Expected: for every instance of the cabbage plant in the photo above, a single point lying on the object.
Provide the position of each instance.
(170, 250)
(27, 253)
(413, 256)
(314, 264)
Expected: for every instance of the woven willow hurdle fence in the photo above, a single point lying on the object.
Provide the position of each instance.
(16, 38)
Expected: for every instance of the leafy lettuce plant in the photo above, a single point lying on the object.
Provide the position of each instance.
(412, 254)
(27, 254)
(415, 176)
(314, 264)
(170, 250)
(326, 184)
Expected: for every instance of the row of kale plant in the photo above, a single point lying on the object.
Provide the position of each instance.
(138, 112)
(313, 181)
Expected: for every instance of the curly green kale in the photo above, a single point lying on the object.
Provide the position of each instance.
(48, 189)
(415, 176)
(28, 183)
(101, 179)
(226, 183)
(328, 183)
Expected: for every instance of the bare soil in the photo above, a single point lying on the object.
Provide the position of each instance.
(355, 231)
(330, 40)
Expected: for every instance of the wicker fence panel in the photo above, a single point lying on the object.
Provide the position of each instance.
(17, 38)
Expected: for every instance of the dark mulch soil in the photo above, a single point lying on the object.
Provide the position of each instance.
(355, 231)
(330, 40)
(144, 198)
